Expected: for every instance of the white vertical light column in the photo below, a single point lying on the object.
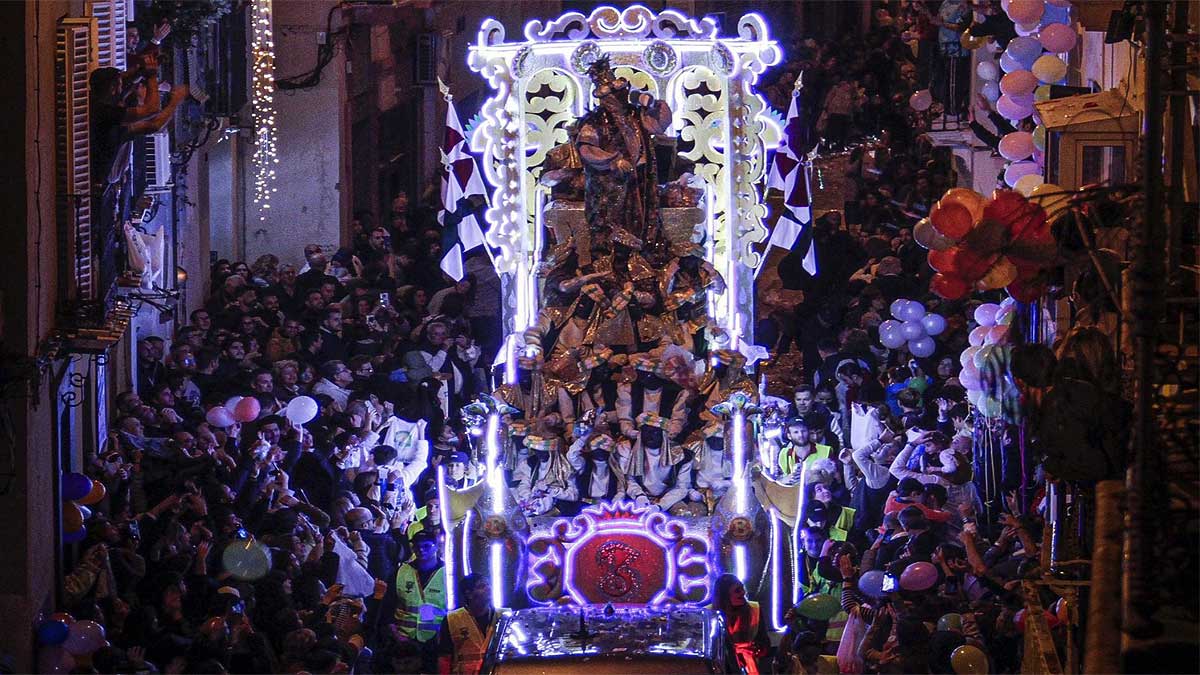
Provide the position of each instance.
(448, 531)
(262, 93)
(741, 494)
(495, 478)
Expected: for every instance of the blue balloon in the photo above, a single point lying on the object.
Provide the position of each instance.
(75, 486)
(1024, 50)
(52, 632)
(74, 537)
(1055, 14)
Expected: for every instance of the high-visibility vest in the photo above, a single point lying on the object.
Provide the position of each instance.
(787, 460)
(469, 644)
(419, 611)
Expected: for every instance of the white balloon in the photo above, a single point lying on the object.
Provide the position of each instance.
(301, 410)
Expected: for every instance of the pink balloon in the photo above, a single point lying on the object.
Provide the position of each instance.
(968, 377)
(1018, 82)
(1058, 38)
(978, 335)
(1016, 145)
(220, 417)
(997, 335)
(921, 575)
(985, 314)
(247, 410)
(967, 356)
(1026, 11)
(1016, 170)
(1011, 110)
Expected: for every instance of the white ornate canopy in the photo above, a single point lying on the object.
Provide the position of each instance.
(540, 85)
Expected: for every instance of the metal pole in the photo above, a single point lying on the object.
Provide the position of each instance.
(1102, 646)
(1179, 136)
(1142, 478)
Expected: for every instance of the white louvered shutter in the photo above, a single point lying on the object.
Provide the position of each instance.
(158, 162)
(110, 32)
(73, 65)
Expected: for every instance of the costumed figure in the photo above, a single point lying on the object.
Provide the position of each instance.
(544, 478)
(722, 379)
(659, 472)
(649, 392)
(714, 470)
(599, 477)
(616, 145)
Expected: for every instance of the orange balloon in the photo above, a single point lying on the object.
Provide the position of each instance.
(72, 517)
(97, 493)
(951, 219)
(972, 200)
(942, 261)
(63, 617)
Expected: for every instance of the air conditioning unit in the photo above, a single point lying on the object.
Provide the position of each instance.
(158, 163)
(426, 59)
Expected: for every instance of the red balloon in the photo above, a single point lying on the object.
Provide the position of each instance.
(1026, 291)
(951, 219)
(949, 286)
(972, 265)
(247, 409)
(943, 261)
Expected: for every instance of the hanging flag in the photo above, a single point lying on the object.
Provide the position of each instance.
(461, 180)
(790, 175)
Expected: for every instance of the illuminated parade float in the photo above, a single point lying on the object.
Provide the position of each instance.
(625, 149)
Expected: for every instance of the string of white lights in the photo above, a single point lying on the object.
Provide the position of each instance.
(263, 99)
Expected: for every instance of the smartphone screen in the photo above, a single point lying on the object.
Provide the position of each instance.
(889, 583)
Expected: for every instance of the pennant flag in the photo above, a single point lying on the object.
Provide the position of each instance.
(790, 175)
(460, 180)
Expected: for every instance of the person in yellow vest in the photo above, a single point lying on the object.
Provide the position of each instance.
(465, 633)
(800, 449)
(744, 623)
(421, 596)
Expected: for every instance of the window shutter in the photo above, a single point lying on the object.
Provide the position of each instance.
(110, 32)
(158, 163)
(73, 65)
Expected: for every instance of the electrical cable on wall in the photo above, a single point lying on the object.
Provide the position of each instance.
(325, 53)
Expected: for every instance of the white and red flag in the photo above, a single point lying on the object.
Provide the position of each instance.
(790, 175)
(460, 181)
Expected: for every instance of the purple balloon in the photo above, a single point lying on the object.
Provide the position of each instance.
(912, 330)
(923, 347)
(1008, 64)
(75, 486)
(912, 311)
(897, 308)
(1024, 50)
(892, 339)
(934, 324)
(918, 576)
(871, 583)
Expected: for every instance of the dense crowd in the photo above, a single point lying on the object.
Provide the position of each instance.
(919, 553)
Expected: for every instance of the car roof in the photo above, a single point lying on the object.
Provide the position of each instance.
(554, 632)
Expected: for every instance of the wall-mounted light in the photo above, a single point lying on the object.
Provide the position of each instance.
(181, 277)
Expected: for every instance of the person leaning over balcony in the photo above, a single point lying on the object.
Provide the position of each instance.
(115, 123)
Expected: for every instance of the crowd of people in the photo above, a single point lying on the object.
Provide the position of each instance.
(921, 557)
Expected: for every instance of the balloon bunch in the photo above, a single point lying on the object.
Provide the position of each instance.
(62, 639)
(1030, 64)
(913, 326)
(986, 363)
(78, 493)
(981, 244)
